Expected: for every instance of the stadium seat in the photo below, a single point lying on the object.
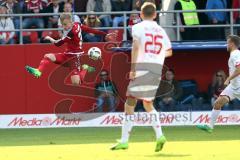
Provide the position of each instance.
(32, 36)
(189, 90)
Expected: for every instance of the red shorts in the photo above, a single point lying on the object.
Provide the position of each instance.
(71, 61)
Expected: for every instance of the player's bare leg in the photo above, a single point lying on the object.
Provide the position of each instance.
(37, 72)
(219, 103)
(76, 80)
(155, 122)
(127, 124)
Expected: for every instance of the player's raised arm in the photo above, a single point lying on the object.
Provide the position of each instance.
(50, 39)
(61, 41)
(108, 37)
(58, 42)
(91, 30)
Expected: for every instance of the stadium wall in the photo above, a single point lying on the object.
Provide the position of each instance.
(23, 94)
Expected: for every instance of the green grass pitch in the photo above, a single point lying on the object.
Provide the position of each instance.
(184, 143)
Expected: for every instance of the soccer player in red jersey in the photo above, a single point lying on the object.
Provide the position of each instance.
(73, 39)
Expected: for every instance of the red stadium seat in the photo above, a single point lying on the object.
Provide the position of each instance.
(33, 36)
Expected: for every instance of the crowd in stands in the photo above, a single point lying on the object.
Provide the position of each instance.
(59, 6)
(172, 95)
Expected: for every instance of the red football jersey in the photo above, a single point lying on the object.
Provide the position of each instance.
(73, 38)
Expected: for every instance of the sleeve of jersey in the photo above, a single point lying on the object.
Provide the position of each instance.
(91, 30)
(236, 61)
(135, 32)
(63, 39)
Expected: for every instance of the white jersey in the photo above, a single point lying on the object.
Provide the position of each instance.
(153, 42)
(233, 62)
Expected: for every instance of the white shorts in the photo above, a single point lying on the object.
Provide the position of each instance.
(231, 93)
(144, 88)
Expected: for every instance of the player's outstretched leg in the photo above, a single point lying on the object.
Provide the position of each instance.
(127, 124)
(34, 71)
(219, 103)
(37, 72)
(155, 122)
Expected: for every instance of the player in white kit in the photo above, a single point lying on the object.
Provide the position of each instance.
(150, 47)
(232, 90)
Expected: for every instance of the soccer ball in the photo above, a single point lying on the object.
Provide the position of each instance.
(95, 53)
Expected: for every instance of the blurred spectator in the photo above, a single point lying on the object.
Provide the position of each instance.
(215, 18)
(92, 21)
(13, 7)
(136, 4)
(120, 5)
(6, 23)
(21, 3)
(35, 7)
(101, 6)
(133, 19)
(105, 90)
(80, 6)
(68, 1)
(236, 14)
(203, 19)
(54, 7)
(187, 19)
(169, 100)
(229, 3)
(68, 9)
(217, 86)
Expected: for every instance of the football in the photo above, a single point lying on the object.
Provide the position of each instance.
(95, 53)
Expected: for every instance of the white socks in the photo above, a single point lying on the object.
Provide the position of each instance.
(155, 122)
(214, 117)
(129, 121)
(127, 127)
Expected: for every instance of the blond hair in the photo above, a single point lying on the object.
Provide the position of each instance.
(65, 16)
(96, 23)
(148, 9)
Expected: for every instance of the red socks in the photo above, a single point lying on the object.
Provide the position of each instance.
(44, 62)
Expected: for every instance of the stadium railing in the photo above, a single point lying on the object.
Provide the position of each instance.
(178, 25)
